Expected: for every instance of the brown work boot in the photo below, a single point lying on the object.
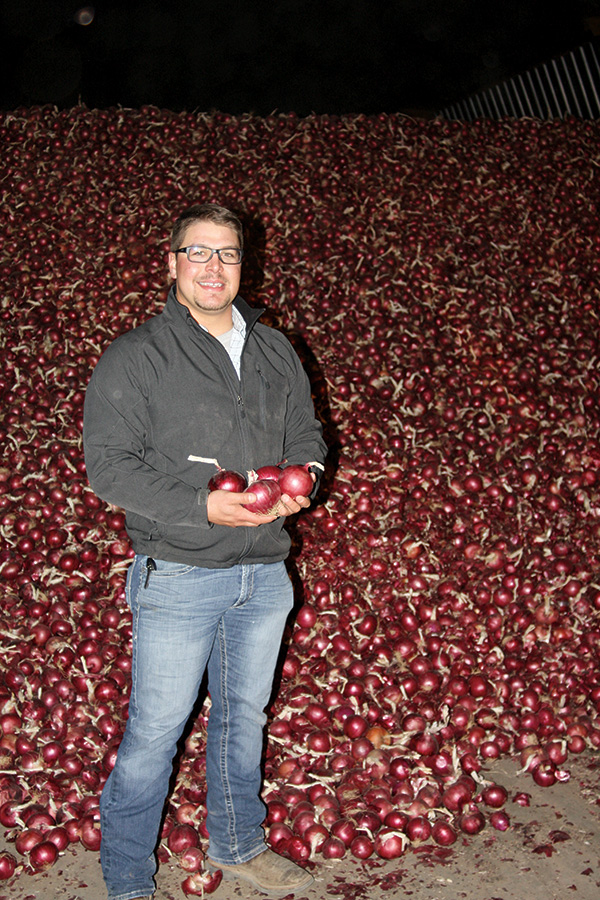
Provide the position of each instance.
(269, 873)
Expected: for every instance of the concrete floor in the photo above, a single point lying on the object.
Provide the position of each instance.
(551, 852)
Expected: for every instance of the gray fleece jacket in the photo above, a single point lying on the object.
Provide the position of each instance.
(167, 390)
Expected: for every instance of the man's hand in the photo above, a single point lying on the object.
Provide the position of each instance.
(287, 506)
(227, 508)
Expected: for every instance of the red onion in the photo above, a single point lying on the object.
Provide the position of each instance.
(278, 833)
(389, 844)
(26, 840)
(333, 848)
(544, 773)
(500, 820)
(443, 833)
(227, 480)
(8, 864)
(200, 883)
(297, 849)
(43, 855)
(89, 832)
(494, 795)
(418, 829)
(343, 829)
(471, 821)
(181, 838)
(191, 859)
(59, 837)
(268, 473)
(267, 495)
(316, 835)
(296, 481)
(361, 847)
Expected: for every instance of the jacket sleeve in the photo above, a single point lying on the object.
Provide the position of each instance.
(114, 429)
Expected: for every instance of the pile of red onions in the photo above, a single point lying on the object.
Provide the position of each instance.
(440, 281)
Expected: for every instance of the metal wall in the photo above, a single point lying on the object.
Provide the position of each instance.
(566, 86)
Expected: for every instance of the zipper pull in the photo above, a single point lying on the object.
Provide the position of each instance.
(263, 377)
(150, 567)
(240, 403)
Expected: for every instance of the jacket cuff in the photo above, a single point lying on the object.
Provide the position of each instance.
(318, 473)
(202, 498)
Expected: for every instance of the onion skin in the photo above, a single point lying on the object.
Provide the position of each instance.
(8, 865)
(471, 822)
(267, 494)
(296, 481)
(443, 833)
(182, 837)
(43, 855)
(200, 883)
(500, 820)
(333, 848)
(389, 844)
(268, 473)
(494, 795)
(228, 480)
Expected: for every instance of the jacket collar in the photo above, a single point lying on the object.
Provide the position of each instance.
(176, 309)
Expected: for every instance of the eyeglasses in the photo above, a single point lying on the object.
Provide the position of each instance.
(229, 256)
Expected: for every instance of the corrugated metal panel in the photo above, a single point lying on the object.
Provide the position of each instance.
(566, 86)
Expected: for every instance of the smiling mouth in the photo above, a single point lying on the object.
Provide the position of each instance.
(211, 284)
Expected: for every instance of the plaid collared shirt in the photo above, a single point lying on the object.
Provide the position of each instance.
(233, 340)
(238, 335)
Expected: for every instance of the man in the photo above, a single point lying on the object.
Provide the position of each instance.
(208, 588)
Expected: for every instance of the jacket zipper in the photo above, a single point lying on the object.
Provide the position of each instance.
(263, 377)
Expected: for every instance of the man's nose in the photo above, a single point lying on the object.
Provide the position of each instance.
(214, 262)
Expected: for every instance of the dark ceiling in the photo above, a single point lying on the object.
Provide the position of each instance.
(303, 56)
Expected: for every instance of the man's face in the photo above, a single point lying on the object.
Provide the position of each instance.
(207, 289)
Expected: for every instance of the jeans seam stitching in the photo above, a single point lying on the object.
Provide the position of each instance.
(225, 741)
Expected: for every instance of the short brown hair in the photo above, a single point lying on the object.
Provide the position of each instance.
(206, 212)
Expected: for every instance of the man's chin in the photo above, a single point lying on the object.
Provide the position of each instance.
(207, 307)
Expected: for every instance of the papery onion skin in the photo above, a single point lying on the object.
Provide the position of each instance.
(8, 865)
(389, 844)
(267, 496)
(200, 883)
(268, 473)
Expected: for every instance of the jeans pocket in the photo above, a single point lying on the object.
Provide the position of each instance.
(164, 569)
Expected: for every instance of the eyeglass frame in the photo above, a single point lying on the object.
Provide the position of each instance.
(212, 253)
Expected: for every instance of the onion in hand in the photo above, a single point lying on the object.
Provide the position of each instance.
(227, 480)
(296, 481)
(269, 473)
(267, 494)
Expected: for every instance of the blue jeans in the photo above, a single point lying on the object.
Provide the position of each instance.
(186, 619)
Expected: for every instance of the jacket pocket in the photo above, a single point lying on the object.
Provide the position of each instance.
(264, 387)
